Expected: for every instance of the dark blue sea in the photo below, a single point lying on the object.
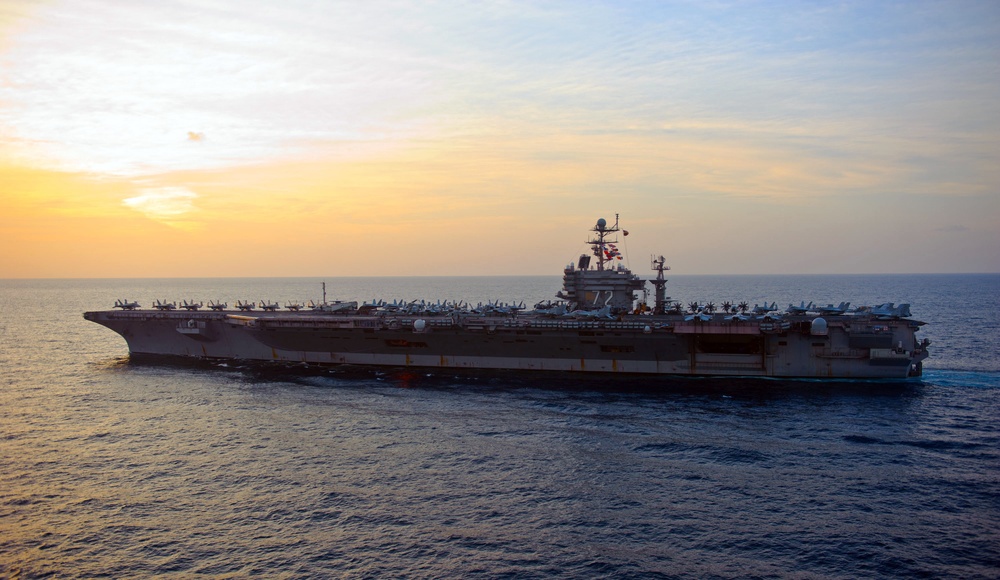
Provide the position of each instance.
(118, 469)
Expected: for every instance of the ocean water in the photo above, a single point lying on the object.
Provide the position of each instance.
(112, 468)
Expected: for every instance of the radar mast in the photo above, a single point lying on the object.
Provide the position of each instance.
(660, 306)
(600, 245)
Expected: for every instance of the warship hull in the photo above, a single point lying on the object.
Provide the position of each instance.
(852, 347)
(599, 325)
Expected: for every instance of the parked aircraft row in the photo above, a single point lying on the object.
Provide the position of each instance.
(702, 312)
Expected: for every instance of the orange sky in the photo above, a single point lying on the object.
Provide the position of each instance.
(145, 140)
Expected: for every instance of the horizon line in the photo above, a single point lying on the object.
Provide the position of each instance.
(53, 278)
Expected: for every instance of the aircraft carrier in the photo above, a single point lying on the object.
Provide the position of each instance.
(600, 322)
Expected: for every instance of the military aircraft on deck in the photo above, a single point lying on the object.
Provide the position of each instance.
(831, 310)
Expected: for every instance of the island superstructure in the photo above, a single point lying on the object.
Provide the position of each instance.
(600, 322)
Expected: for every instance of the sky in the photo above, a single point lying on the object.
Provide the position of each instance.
(183, 138)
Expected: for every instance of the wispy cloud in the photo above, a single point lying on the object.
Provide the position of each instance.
(380, 109)
(266, 80)
(165, 204)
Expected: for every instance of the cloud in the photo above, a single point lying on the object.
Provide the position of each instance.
(164, 203)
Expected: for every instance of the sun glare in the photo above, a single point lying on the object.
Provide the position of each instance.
(178, 93)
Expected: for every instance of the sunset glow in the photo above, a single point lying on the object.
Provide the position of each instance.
(168, 139)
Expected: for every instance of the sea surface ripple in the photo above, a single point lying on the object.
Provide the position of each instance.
(111, 468)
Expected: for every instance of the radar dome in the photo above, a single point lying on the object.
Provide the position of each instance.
(601, 223)
(819, 327)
